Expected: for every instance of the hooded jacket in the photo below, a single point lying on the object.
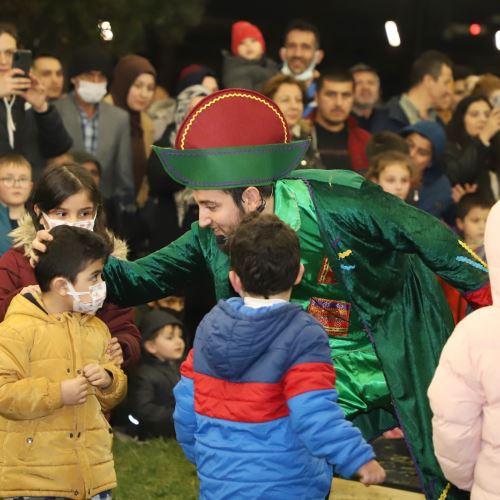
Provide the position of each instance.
(435, 190)
(48, 448)
(465, 391)
(255, 408)
(17, 273)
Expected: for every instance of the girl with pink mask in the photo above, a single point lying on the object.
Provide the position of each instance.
(67, 195)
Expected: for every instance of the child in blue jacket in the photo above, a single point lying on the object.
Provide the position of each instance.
(256, 406)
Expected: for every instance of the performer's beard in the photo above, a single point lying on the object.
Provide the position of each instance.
(223, 243)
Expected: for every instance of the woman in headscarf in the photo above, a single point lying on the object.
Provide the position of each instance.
(169, 207)
(134, 82)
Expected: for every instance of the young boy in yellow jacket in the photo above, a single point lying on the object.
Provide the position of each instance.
(56, 380)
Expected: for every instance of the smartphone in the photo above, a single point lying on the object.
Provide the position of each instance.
(22, 60)
(495, 101)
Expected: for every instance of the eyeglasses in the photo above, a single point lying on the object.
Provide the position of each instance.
(11, 181)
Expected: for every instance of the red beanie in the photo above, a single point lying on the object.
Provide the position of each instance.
(242, 30)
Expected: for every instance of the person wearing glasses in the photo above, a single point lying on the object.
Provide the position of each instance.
(15, 189)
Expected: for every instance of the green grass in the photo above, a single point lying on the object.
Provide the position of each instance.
(153, 469)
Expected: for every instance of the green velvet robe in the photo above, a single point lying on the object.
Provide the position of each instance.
(388, 318)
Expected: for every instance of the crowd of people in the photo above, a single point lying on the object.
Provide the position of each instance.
(371, 221)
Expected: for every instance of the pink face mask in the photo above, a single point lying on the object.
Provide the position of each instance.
(83, 224)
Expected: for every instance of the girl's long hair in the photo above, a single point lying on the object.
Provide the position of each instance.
(58, 183)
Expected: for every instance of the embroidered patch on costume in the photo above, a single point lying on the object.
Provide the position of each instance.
(471, 252)
(343, 255)
(472, 263)
(332, 314)
(325, 276)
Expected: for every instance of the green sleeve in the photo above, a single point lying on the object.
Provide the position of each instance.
(392, 222)
(384, 227)
(157, 275)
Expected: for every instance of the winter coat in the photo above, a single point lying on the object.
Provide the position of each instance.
(151, 400)
(5, 229)
(357, 139)
(48, 448)
(434, 193)
(17, 273)
(465, 392)
(256, 410)
(470, 164)
(38, 136)
(240, 73)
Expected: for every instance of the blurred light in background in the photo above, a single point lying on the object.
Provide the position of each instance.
(391, 30)
(475, 29)
(497, 40)
(105, 30)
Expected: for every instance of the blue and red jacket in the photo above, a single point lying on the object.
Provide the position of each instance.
(256, 410)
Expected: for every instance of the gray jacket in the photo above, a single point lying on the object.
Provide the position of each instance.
(113, 146)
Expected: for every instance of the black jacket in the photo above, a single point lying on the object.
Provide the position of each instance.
(150, 397)
(38, 136)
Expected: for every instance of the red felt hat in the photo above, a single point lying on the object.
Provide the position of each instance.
(232, 138)
(233, 117)
(242, 30)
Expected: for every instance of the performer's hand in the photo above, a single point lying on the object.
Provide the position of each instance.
(39, 244)
(371, 473)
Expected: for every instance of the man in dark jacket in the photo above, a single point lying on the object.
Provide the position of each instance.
(150, 395)
(29, 125)
(431, 85)
(336, 135)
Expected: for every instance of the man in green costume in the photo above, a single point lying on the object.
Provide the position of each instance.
(370, 261)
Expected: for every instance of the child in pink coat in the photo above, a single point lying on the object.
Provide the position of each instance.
(465, 391)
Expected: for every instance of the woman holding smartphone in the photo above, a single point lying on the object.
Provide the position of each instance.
(37, 133)
(470, 160)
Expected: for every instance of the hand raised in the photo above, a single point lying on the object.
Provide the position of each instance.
(12, 83)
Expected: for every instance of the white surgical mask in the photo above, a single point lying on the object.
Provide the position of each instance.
(307, 74)
(97, 295)
(84, 224)
(91, 92)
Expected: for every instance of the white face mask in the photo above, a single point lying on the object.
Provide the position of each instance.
(307, 74)
(97, 295)
(91, 92)
(84, 224)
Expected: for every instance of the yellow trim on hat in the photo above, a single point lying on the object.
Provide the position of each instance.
(225, 96)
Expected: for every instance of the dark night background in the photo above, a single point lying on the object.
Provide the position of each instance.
(175, 33)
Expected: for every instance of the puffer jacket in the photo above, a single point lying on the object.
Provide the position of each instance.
(47, 448)
(465, 391)
(256, 410)
(17, 273)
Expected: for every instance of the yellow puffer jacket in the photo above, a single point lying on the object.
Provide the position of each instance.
(46, 448)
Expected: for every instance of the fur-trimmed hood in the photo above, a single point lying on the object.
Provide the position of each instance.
(26, 233)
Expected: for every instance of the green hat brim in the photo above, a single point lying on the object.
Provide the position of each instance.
(226, 168)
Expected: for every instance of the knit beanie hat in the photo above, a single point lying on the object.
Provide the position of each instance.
(242, 30)
(193, 75)
(90, 58)
(153, 321)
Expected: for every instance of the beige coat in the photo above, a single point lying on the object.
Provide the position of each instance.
(46, 448)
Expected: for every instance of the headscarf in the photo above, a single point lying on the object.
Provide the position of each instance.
(125, 73)
(182, 106)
